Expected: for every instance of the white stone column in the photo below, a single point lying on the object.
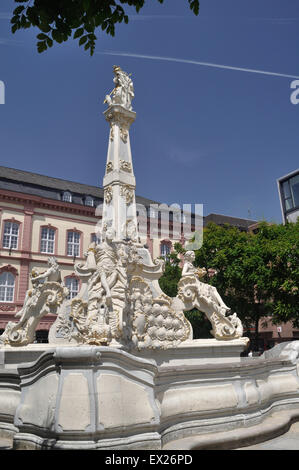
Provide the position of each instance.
(119, 208)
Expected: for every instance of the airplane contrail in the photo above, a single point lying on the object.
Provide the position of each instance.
(197, 62)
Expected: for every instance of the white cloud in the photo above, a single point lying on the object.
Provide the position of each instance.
(9, 42)
(5, 16)
(156, 17)
(197, 62)
(274, 20)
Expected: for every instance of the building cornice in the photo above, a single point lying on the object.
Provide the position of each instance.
(45, 203)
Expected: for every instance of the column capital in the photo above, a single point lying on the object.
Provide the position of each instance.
(117, 114)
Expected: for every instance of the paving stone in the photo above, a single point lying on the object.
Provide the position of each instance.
(5, 444)
(288, 441)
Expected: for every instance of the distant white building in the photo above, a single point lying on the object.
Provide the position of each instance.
(288, 189)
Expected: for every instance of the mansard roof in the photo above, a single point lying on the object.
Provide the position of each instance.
(52, 188)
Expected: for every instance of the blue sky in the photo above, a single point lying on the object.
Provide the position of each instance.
(204, 134)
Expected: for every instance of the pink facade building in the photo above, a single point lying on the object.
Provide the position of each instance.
(42, 216)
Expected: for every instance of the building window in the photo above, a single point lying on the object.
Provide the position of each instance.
(41, 336)
(67, 196)
(89, 201)
(7, 287)
(11, 235)
(47, 240)
(95, 239)
(165, 249)
(72, 283)
(73, 243)
(152, 213)
(291, 192)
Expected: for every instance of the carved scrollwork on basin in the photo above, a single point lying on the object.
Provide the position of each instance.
(91, 328)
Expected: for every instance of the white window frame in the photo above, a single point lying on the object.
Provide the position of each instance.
(168, 249)
(95, 239)
(67, 196)
(73, 245)
(89, 201)
(7, 289)
(47, 241)
(11, 239)
(69, 281)
(152, 213)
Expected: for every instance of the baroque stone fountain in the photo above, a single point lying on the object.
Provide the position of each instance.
(121, 370)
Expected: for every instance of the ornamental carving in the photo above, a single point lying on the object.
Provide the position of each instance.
(99, 315)
(111, 132)
(122, 121)
(109, 167)
(10, 269)
(205, 298)
(129, 230)
(125, 166)
(46, 296)
(123, 134)
(7, 307)
(155, 324)
(128, 193)
(108, 194)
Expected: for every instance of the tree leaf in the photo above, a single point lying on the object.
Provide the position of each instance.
(78, 33)
(83, 40)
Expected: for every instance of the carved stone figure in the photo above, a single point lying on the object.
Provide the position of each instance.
(206, 291)
(99, 317)
(120, 300)
(123, 93)
(129, 230)
(108, 194)
(106, 260)
(128, 193)
(45, 297)
(197, 294)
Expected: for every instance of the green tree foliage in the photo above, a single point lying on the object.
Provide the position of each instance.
(172, 274)
(59, 20)
(257, 275)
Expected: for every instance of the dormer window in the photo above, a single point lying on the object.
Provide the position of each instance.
(67, 196)
(89, 201)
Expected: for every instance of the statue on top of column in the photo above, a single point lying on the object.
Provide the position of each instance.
(123, 92)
